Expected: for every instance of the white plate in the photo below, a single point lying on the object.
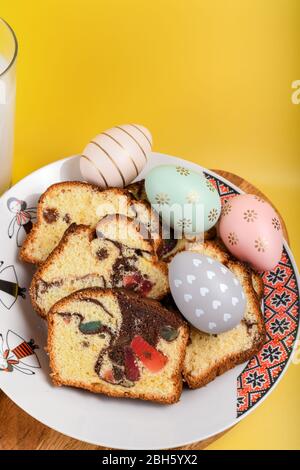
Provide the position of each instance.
(121, 423)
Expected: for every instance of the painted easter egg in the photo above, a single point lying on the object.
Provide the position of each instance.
(206, 292)
(115, 157)
(185, 199)
(251, 230)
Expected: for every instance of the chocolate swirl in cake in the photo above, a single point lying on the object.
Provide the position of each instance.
(96, 302)
(141, 322)
(124, 272)
(50, 215)
(138, 321)
(43, 287)
(167, 246)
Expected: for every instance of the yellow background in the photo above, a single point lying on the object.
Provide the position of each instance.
(211, 80)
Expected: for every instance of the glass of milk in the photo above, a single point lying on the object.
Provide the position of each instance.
(8, 55)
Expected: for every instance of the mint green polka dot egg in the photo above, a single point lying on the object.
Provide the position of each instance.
(185, 199)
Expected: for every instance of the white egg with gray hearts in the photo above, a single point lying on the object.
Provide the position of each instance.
(206, 292)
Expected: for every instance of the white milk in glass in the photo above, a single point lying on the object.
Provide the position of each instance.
(7, 110)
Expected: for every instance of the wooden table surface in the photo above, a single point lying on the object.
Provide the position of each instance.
(19, 431)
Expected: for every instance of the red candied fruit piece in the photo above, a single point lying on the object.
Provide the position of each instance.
(136, 281)
(132, 372)
(145, 287)
(108, 376)
(132, 280)
(152, 359)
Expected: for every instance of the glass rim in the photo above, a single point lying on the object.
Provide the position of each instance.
(12, 61)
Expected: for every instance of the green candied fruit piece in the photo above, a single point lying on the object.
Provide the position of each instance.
(90, 328)
(168, 333)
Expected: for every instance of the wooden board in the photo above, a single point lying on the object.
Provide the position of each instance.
(19, 431)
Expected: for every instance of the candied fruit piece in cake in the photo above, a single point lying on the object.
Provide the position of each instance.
(112, 344)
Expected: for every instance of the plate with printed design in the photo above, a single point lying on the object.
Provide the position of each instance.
(120, 423)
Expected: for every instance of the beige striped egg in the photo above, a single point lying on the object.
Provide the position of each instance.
(115, 157)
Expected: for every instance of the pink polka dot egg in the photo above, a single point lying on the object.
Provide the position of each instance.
(251, 230)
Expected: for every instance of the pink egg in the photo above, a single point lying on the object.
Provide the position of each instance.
(251, 231)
